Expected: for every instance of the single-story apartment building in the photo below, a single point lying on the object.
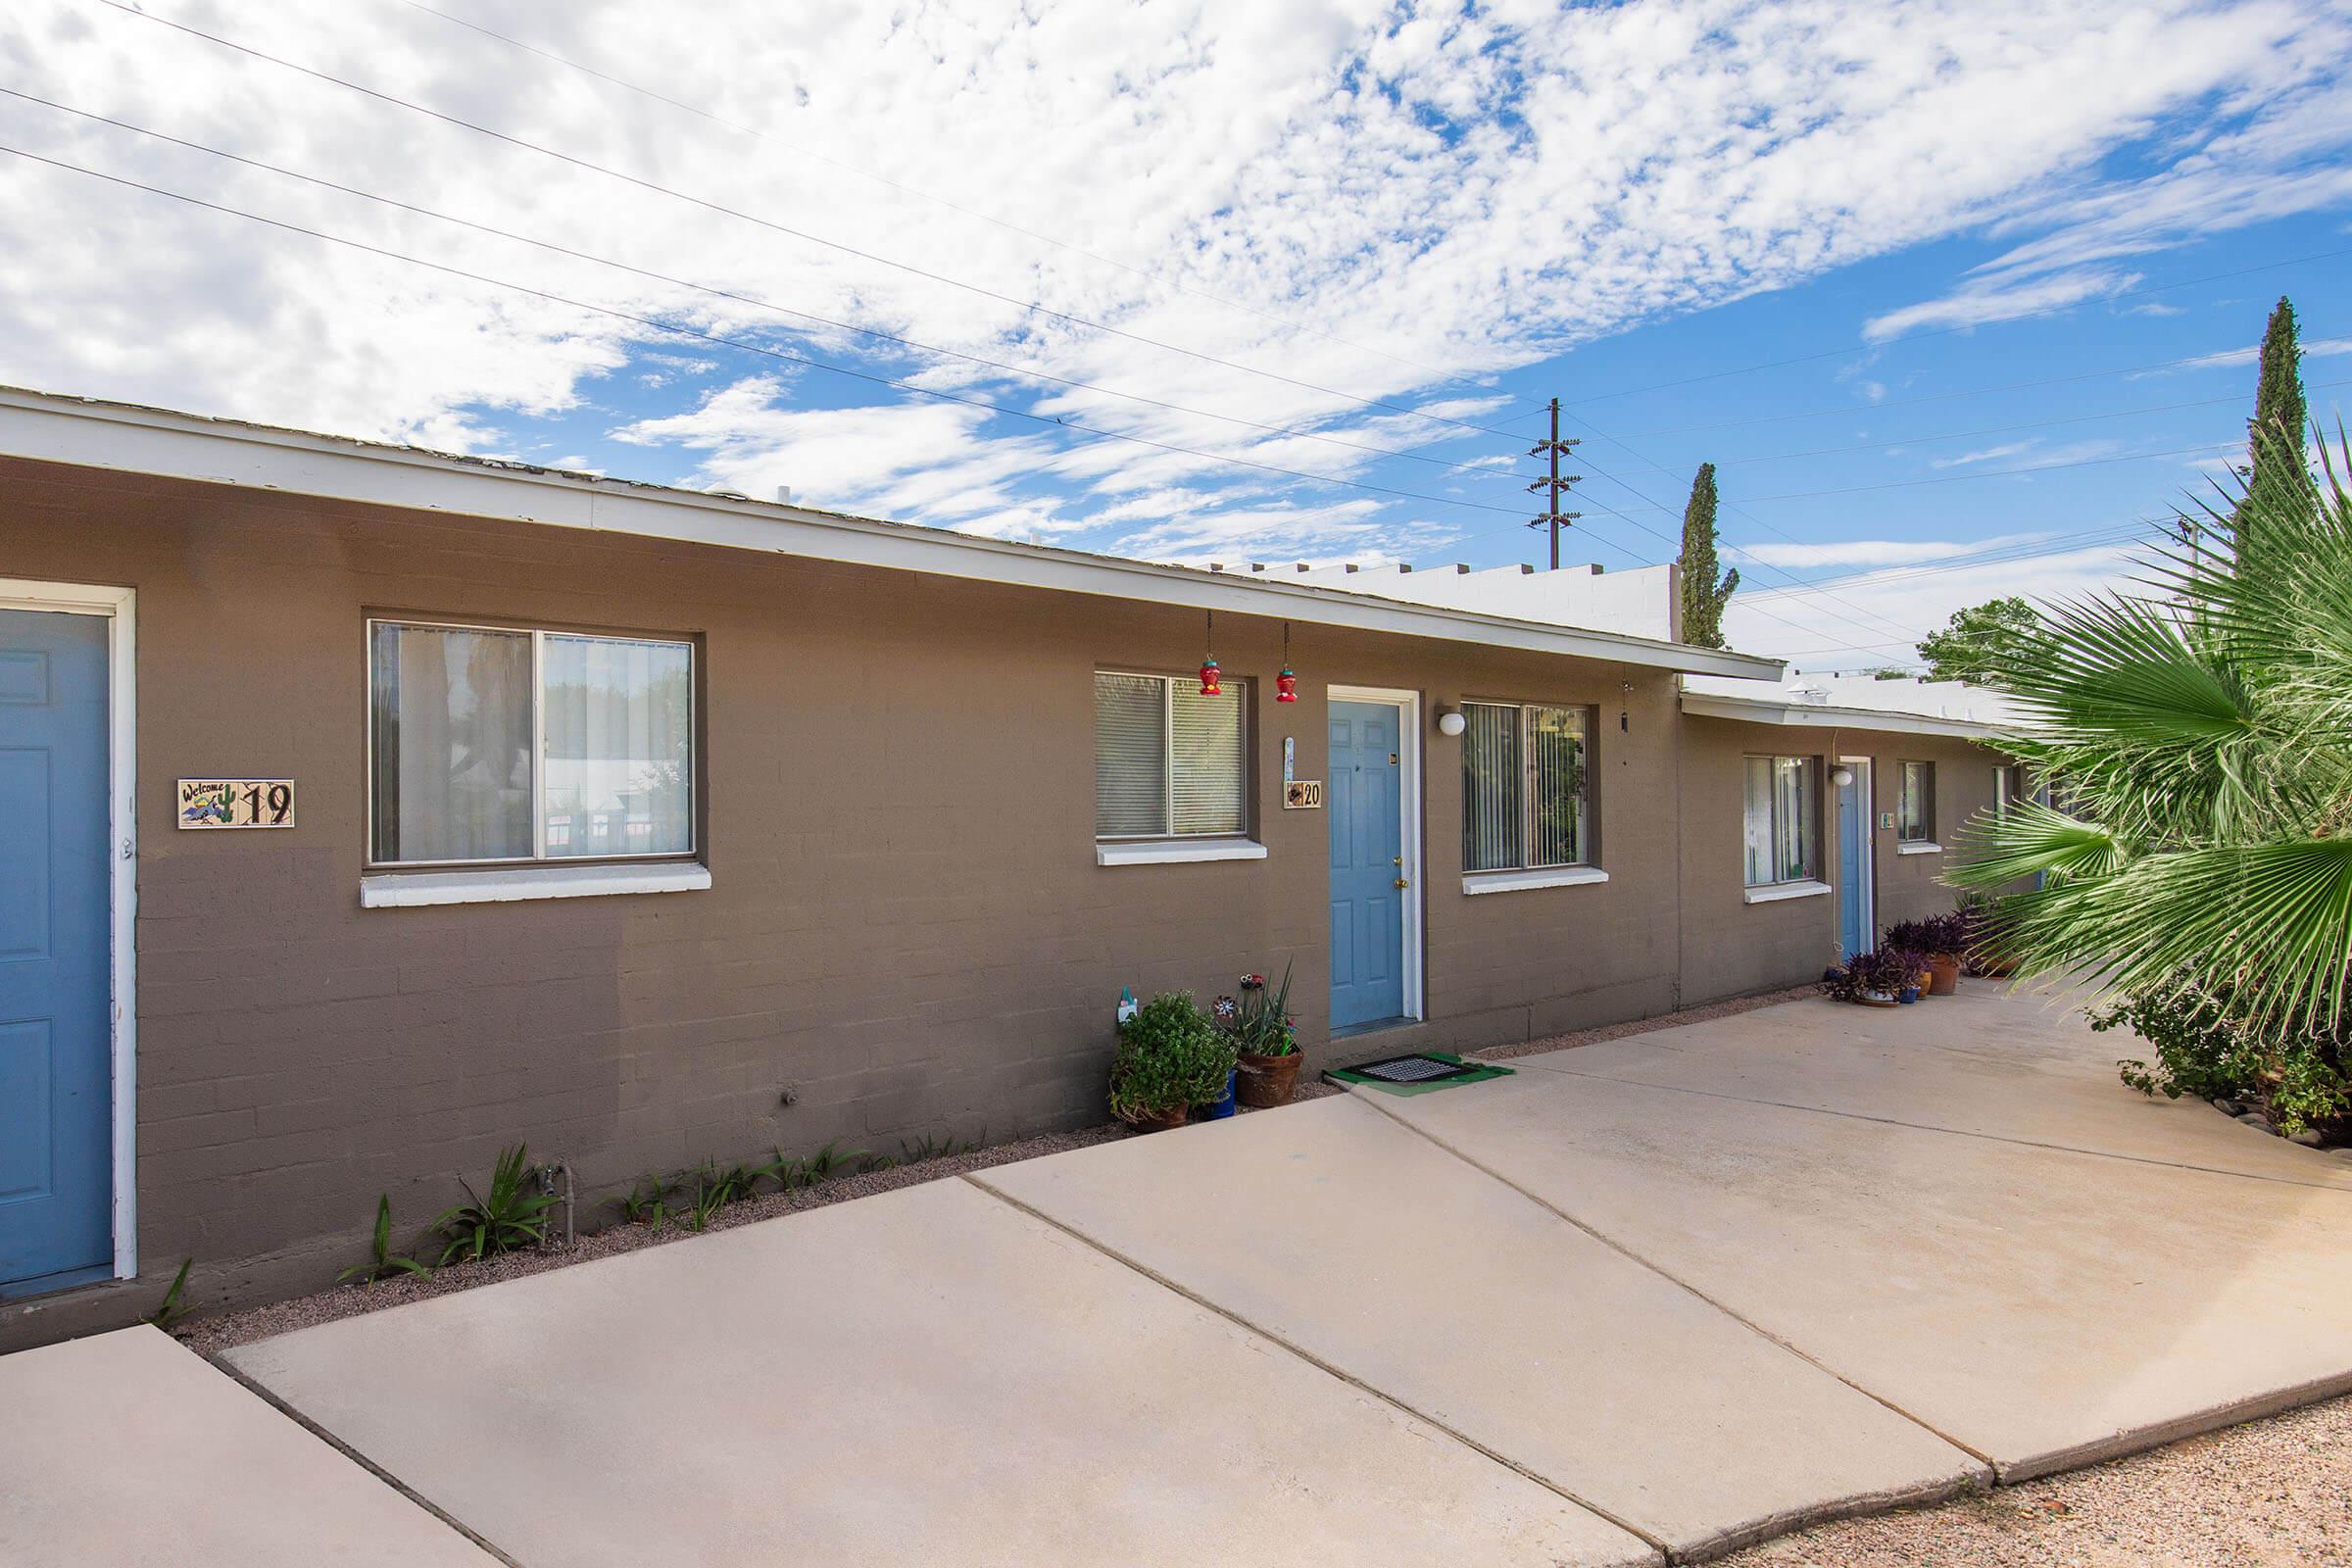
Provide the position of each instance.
(373, 809)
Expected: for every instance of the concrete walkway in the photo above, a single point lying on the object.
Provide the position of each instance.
(126, 1448)
(1643, 1299)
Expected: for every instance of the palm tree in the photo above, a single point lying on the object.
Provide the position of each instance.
(2199, 730)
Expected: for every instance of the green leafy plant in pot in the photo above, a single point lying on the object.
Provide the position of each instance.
(1872, 979)
(1265, 1043)
(1941, 939)
(1171, 1058)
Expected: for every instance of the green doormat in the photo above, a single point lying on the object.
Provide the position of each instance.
(1417, 1074)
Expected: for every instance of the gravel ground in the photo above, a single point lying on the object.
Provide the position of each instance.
(209, 1335)
(2267, 1494)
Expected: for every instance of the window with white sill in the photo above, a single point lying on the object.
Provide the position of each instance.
(1526, 788)
(1783, 822)
(492, 746)
(1169, 763)
(1915, 805)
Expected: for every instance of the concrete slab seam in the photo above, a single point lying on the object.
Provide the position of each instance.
(266, 1397)
(1991, 1469)
(1310, 1359)
(2139, 1440)
(1950, 1132)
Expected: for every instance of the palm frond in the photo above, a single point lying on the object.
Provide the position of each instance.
(2200, 729)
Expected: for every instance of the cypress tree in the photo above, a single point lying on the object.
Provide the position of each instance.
(2275, 435)
(1703, 597)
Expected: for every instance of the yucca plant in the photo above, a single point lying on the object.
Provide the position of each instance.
(386, 1262)
(513, 1216)
(2197, 730)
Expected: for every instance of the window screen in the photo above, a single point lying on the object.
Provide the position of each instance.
(1168, 761)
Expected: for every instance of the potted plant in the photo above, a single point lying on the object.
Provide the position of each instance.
(1912, 973)
(1171, 1058)
(1980, 920)
(1940, 939)
(1872, 979)
(1265, 1043)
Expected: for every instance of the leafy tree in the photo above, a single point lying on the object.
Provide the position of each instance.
(1970, 646)
(2275, 435)
(1703, 597)
(2202, 726)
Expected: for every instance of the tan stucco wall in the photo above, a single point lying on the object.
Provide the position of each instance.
(907, 930)
(1731, 947)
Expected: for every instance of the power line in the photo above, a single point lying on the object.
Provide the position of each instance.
(1970, 560)
(1940, 331)
(1675, 545)
(1935, 397)
(653, 324)
(741, 297)
(1998, 474)
(917, 193)
(1621, 445)
(2003, 429)
(720, 207)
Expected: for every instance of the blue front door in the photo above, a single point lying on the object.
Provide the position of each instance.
(1854, 933)
(1368, 850)
(56, 1058)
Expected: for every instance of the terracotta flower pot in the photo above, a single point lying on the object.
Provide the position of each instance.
(1155, 1121)
(1265, 1082)
(1944, 974)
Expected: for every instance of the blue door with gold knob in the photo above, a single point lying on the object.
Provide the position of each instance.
(55, 1045)
(1367, 866)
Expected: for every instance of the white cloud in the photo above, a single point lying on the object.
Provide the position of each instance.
(1983, 302)
(2007, 449)
(1374, 199)
(2315, 349)
(1871, 552)
(1823, 630)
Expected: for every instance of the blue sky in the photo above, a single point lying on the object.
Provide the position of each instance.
(1245, 241)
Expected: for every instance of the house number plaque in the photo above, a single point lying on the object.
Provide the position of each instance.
(236, 803)
(1302, 795)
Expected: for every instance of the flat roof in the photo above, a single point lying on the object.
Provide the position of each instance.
(92, 433)
(1779, 710)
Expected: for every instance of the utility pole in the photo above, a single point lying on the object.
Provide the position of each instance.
(1555, 486)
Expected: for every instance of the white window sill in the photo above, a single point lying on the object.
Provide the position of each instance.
(510, 884)
(1173, 852)
(1556, 876)
(1775, 892)
(1918, 847)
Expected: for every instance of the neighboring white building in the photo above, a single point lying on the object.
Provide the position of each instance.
(1644, 603)
(1635, 603)
(1856, 701)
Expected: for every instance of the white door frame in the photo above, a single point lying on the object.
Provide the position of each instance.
(120, 608)
(1409, 808)
(1866, 784)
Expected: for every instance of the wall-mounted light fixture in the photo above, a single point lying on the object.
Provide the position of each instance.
(1842, 776)
(1451, 721)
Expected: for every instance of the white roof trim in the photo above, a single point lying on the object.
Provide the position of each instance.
(1767, 711)
(92, 434)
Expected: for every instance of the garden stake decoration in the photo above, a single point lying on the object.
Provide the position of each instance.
(1208, 666)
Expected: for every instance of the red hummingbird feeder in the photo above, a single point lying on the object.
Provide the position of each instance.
(1286, 686)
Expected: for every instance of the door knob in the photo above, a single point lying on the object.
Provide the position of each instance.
(1402, 883)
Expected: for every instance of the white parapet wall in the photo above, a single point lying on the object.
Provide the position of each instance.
(1635, 603)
